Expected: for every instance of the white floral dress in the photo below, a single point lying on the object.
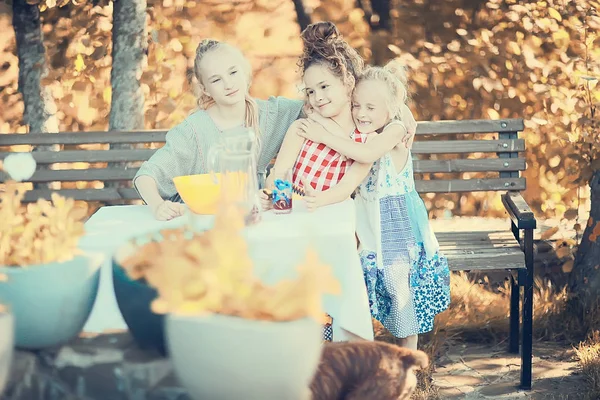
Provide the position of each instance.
(407, 279)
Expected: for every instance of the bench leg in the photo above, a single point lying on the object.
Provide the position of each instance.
(515, 300)
(513, 341)
(515, 231)
(526, 348)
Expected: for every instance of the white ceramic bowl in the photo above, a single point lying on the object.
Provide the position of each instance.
(220, 357)
(6, 347)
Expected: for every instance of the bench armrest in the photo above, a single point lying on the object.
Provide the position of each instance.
(518, 210)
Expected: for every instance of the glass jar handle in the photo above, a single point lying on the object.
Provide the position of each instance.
(213, 162)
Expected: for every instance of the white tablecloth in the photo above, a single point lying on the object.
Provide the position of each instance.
(277, 245)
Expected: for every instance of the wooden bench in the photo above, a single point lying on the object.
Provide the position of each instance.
(445, 165)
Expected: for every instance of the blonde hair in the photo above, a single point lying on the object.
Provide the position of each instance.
(205, 47)
(393, 75)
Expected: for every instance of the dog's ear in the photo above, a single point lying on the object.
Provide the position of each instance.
(413, 358)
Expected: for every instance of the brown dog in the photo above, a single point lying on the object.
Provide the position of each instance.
(366, 370)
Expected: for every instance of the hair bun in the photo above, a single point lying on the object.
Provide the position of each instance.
(398, 70)
(320, 33)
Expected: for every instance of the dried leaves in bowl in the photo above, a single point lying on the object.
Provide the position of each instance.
(38, 233)
(211, 272)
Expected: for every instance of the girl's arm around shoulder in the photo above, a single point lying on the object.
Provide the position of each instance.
(373, 149)
(394, 135)
(340, 192)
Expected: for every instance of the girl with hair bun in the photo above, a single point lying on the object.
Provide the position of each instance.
(407, 277)
(329, 69)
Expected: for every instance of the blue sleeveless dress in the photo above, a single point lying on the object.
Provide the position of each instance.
(407, 278)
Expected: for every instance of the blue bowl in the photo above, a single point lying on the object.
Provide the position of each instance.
(51, 302)
(134, 298)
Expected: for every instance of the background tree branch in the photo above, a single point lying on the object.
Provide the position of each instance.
(302, 17)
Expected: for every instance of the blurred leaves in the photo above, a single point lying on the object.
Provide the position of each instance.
(79, 45)
(467, 60)
(534, 60)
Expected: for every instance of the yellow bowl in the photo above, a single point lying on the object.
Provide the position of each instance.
(199, 192)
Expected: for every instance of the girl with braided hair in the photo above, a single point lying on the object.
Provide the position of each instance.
(223, 77)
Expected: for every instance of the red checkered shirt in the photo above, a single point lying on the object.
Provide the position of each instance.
(322, 166)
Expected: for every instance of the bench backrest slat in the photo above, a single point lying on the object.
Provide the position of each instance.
(90, 174)
(104, 195)
(120, 174)
(467, 146)
(420, 166)
(423, 147)
(89, 156)
(437, 186)
(469, 185)
(73, 138)
(470, 126)
(469, 165)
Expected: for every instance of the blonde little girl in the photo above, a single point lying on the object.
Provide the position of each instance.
(407, 277)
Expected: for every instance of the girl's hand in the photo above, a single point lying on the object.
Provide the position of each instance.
(307, 108)
(312, 198)
(168, 210)
(265, 200)
(411, 126)
(330, 125)
(313, 116)
(312, 130)
(270, 180)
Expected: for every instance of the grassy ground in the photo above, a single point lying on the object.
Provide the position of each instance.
(588, 353)
(473, 298)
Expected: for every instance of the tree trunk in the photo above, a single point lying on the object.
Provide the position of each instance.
(377, 15)
(585, 278)
(381, 8)
(128, 61)
(40, 108)
(129, 58)
(301, 15)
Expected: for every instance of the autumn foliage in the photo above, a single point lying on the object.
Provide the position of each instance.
(467, 60)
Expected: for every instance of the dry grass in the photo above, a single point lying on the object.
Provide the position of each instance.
(433, 344)
(479, 313)
(588, 353)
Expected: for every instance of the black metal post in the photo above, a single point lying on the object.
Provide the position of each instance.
(526, 348)
(515, 231)
(513, 341)
(515, 292)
